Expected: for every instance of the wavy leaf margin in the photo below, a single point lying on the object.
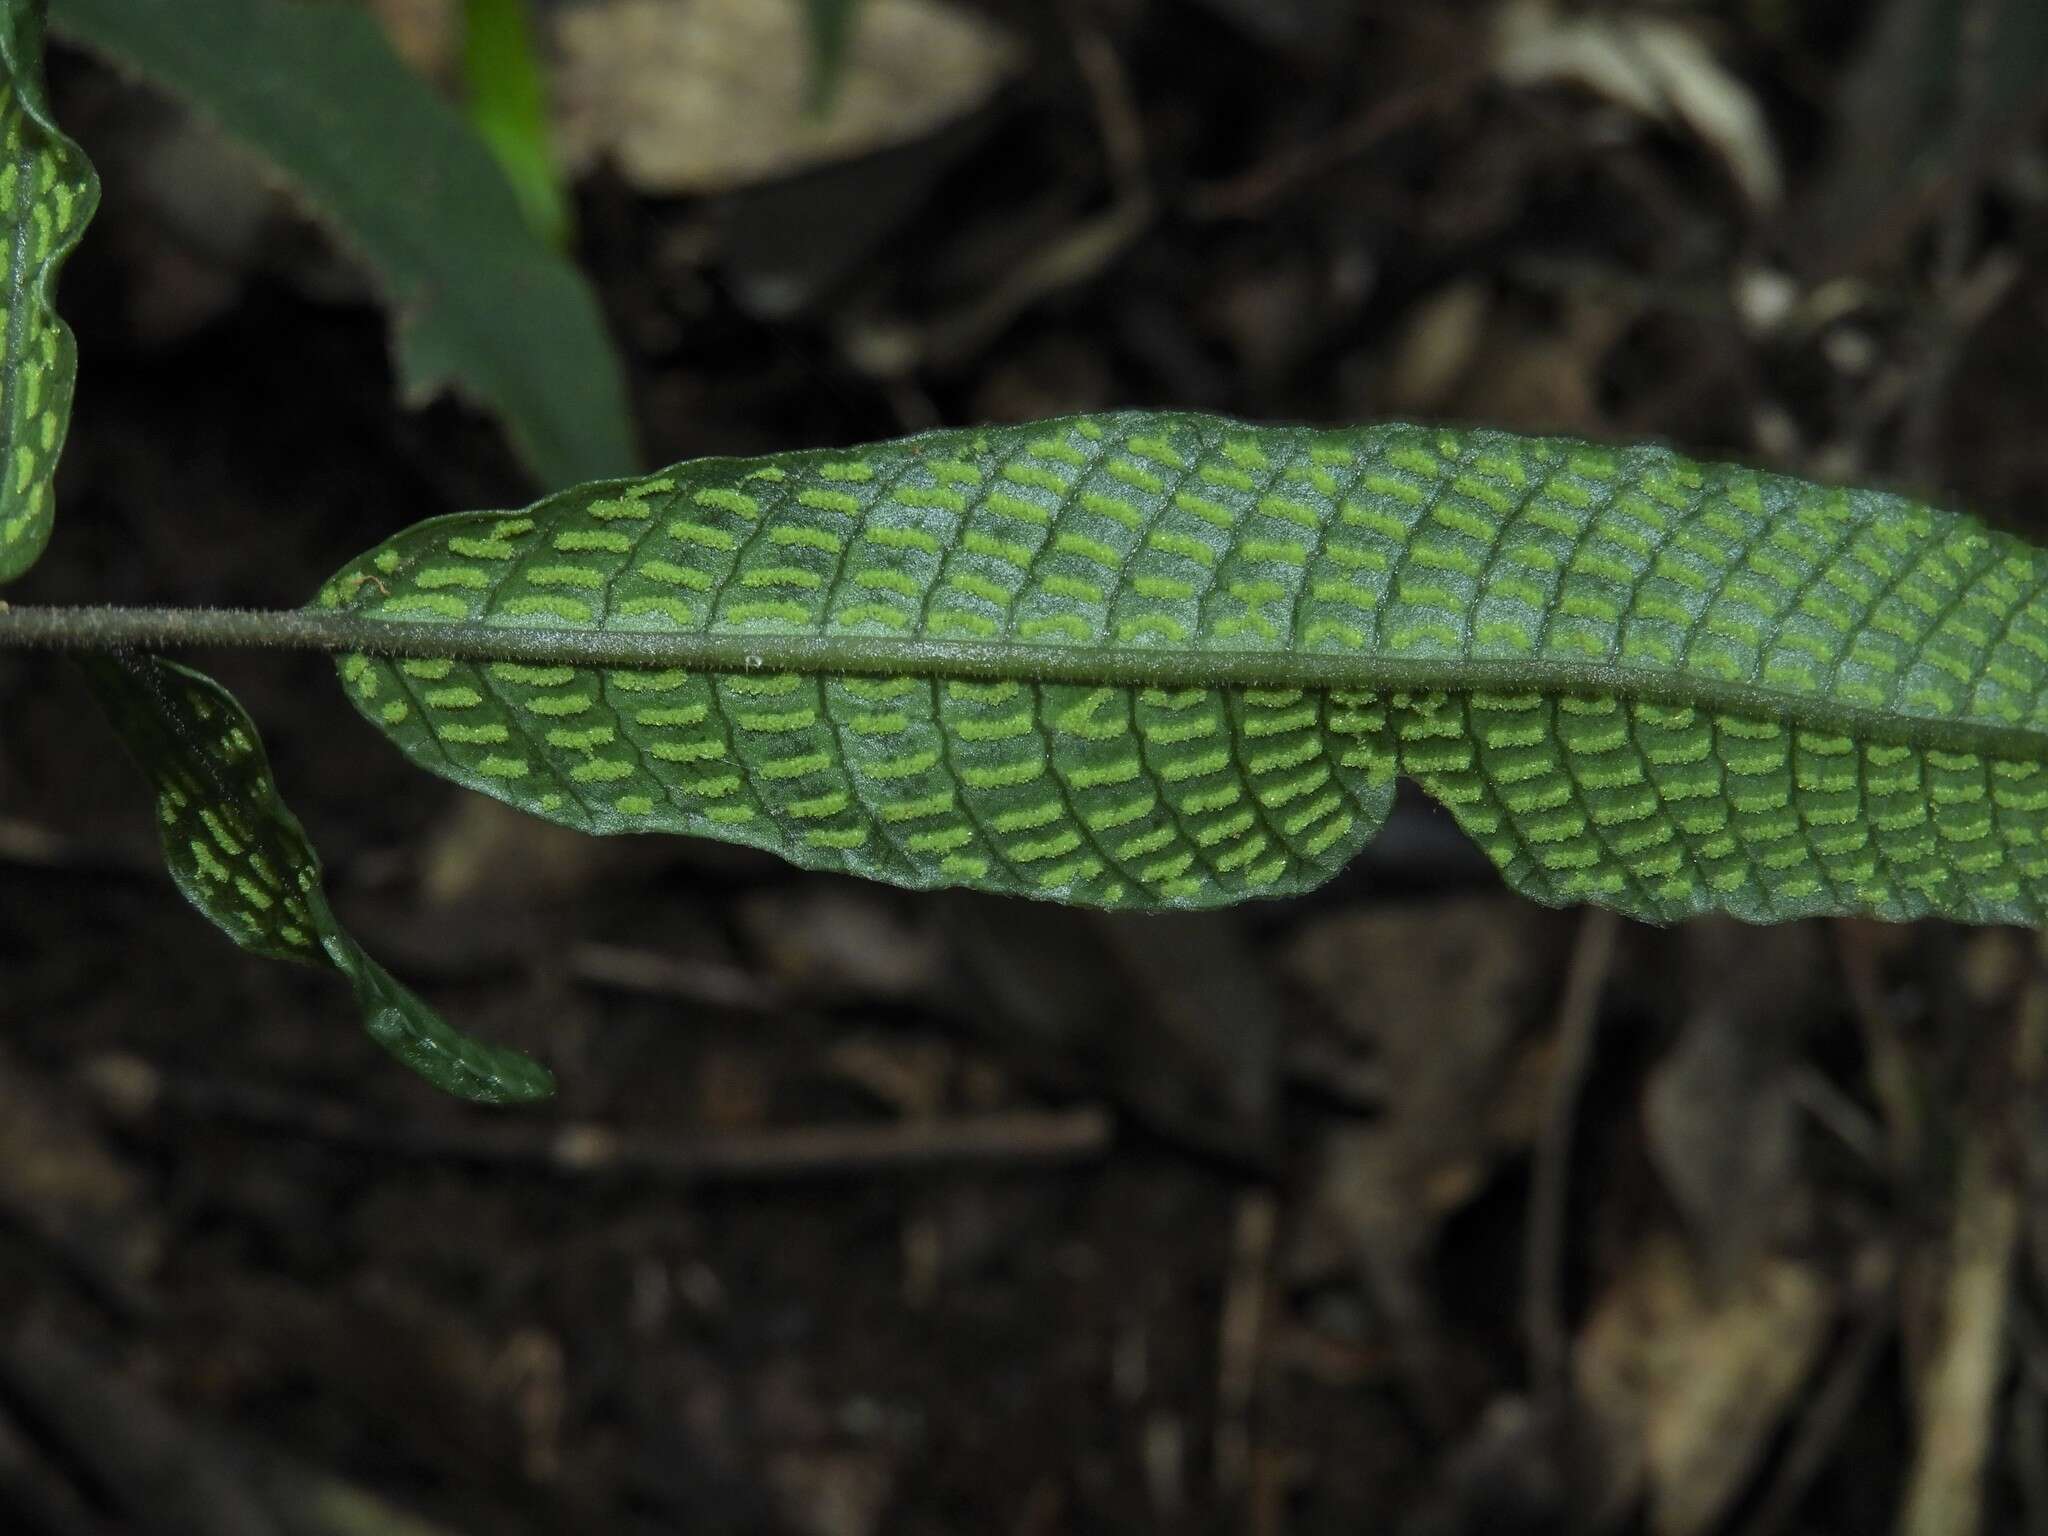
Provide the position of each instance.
(1158, 660)
(48, 194)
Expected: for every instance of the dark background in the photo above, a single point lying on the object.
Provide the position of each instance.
(1404, 1207)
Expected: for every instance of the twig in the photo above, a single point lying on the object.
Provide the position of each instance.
(1578, 1015)
(708, 982)
(23, 842)
(86, 1253)
(1162, 1450)
(35, 1493)
(162, 1471)
(581, 1149)
(1945, 333)
(147, 1461)
(1085, 248)
(1841, 1393)
(1116, 113)
(1275, 1476)
(2030, 1416)
(1890, 1064)
(2023, 1455)
(1945, 1490)
(1841, 1116)
(1251, 193)
(1074, 256)
(1944, 1494)
(1237, 1342)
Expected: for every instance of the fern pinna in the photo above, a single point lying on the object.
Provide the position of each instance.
(1160, 660)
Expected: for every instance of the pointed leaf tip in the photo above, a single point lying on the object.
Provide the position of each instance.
(239, 855)
(480, 303)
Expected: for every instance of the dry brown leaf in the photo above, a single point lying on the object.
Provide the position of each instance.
(1437, 341)
(1720, 1115)
(1690, 1382)
(49, 1157)
(1438, 998)
(832, 943)
(832, 1493)
(483, 851)
(706, 95)
(426, 33)
(1654, 66)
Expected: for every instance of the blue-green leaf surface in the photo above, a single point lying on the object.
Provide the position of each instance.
(47, 195)
(1163, 660)
(241, 858)
(481, 303)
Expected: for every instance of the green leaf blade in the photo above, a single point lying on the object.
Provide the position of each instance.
(507, 101)
(1159, 660)
(830, 24)
(48, 192)
(241, 858)
(480, 302)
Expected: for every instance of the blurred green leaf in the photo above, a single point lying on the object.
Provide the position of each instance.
(480, 302)
(47, 194)
(508, 108)
(240, 856)
(831, 27)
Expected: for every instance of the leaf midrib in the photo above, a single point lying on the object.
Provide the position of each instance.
(322, 629)
(1128, 667)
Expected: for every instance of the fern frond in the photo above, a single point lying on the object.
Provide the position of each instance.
(1161, 660)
